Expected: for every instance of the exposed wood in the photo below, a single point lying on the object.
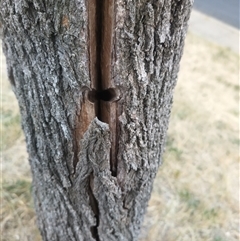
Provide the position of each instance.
(83, 120)
(94, 28)
(109, 109)
(106, 43)
(94, 81)
(101, 23)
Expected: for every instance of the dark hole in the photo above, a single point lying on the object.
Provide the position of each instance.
(105, 95)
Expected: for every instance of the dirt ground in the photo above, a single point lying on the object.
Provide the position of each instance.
(196, 192)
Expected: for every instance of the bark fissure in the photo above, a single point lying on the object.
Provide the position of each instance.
(94, 205)
(103, 93)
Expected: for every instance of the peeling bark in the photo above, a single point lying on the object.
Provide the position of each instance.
(95, 100)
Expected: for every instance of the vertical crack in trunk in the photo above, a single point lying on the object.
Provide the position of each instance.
(94, 206)
(103, 93)
(101, 21)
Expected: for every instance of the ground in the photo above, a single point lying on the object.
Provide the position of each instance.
(195, 194)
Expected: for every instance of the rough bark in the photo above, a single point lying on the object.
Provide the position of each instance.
(94, 81)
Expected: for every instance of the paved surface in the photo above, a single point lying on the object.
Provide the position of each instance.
(226, 11)
(214, 30)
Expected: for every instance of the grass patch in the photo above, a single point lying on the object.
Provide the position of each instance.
(15, 194)
(235, 141)
(190, 199)
(221, 80)
(222, 54)
(219, 238)
(210, 213)
(11, 129)
(20, 188)
(17, 214)
(172, 149)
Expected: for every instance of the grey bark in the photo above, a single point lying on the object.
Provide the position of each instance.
(76, 193)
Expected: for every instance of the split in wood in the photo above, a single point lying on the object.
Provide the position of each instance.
(104, 94)
(100, 99)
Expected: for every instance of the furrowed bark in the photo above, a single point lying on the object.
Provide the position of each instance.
(94, 81)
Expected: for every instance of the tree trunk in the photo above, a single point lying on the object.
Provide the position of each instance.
(94, 81)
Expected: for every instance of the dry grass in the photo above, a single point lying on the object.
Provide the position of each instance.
(195, 195)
